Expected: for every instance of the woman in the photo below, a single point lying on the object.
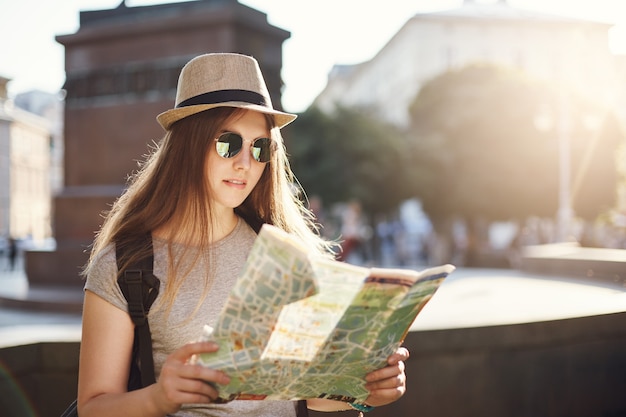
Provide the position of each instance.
(219, 173)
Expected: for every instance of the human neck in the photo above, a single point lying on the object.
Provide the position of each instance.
(222, 226)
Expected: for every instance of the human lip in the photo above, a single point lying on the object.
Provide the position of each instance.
(235, 182)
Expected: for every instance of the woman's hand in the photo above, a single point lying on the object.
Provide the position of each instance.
(387, 384)
(106, 349)
(181, 382)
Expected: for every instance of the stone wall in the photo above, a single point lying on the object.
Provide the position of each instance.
(564, 368)
(38, 380)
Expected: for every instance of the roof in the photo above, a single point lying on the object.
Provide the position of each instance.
(503, 11)
(124, 12)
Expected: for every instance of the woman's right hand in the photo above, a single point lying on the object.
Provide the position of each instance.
(182, 382)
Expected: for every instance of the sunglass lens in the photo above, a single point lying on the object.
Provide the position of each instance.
(262, 149)
(228, 145)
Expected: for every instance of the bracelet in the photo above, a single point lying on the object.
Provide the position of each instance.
(361, 407)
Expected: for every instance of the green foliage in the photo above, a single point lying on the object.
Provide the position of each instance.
(475, 133)
(349, 155)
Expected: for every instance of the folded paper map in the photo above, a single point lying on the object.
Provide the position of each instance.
(297, 326)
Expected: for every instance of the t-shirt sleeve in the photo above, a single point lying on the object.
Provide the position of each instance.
(102, 278)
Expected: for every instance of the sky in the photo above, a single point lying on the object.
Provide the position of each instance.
(323, 33)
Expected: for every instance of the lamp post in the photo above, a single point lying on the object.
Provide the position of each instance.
(544, 121)
(565, 212)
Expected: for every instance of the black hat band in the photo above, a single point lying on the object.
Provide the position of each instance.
(224, 96)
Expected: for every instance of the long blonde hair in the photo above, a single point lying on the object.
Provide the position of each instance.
(170, 188)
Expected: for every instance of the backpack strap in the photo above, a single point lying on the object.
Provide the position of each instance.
(140, 288)
(302, 410)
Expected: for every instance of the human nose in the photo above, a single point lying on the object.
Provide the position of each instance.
(243, 159)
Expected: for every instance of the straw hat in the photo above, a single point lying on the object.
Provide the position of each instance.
(221, 80)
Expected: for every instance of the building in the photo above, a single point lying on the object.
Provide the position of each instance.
(51, 107)
(122, 66)
(547, 47)
(26, 141)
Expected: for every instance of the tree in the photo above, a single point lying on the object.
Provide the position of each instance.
(349, 155)
(475, 132)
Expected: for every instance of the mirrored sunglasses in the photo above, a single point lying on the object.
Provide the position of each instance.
(229, 144)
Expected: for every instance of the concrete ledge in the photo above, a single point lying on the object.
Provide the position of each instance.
(563, 368)
(570, 259)
(60, 267)
(40, 378)
(62, 299)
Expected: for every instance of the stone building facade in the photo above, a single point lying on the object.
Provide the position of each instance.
(551, 48)
(26, 145)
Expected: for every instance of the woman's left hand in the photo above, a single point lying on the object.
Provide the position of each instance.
(388, 384)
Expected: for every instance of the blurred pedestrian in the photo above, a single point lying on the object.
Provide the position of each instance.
(351, 231)
(12, 253)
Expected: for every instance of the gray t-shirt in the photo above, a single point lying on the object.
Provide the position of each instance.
(169, 332)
